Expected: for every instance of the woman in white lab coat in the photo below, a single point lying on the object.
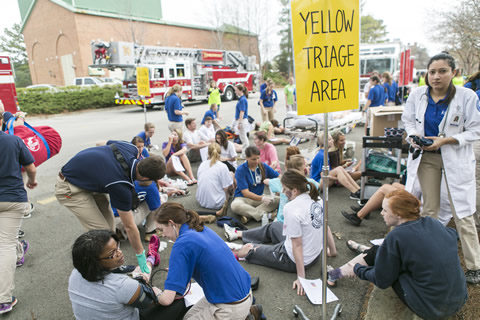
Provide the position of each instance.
(450, 116)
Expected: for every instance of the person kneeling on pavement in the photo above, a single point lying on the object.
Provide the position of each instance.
(300, 243)
(418, 259)
(96, 292)
(200, 253)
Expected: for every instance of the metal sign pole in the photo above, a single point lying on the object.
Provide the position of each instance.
(144, 108)
(325, 215)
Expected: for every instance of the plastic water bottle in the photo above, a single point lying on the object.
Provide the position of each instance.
(264, 219)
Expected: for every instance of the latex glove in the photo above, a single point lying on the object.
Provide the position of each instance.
(267, 200)
(142, 262)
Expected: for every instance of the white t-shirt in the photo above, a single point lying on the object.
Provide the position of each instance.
(191, 137)
(105, 299)
(207, 133)
(304, 218)
(229, 153)
(211, 182)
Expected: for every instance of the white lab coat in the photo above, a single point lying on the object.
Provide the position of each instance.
(458, 159)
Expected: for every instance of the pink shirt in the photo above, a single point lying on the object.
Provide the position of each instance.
(268, 155)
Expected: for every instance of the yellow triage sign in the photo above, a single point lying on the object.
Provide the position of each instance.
(143, 82)
(326, 53)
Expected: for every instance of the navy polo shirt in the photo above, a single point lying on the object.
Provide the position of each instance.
(173, 103)
(13, 155)
(211, 114)
(377, 96)
(242, 105)
(268, 99)
(205, 257)
(251, 180)
(97, 170)
(434, 115)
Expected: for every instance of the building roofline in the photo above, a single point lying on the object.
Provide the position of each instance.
(120, 16)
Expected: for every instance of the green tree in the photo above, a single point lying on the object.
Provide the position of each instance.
(372, 30)
(284, 61)
(12, 42)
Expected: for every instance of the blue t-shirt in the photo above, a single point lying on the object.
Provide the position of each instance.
(242, 105)
(434, 115)
(276, 186)
(317, 166)
(252, 180)
(205, 257)
(13, 155)
(145, 193)
(469, 84)
(173, 103)
(211, 114)
(263, 86)
(268, 99)
(145, 139)
(97, 170)
(377, 95)
(391, 91)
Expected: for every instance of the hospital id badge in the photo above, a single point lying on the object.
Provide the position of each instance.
(456, 119)
(258, 179)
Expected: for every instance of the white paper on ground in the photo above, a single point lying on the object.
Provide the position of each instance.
(313, 290)
(204, 153)
(195, 294)
(377, 242)
(177, 164)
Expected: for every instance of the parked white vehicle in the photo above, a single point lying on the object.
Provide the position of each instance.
(89, 81)
(47, 87)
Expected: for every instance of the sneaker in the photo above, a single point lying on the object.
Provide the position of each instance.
(234, 246)
(21, 233)
(25, 246)
(256, 312)
(355, 195)
(356, 208)
(153, 249)
(230, 233)
(7, 307)
(124, 269)
(473, 276)
(244, 219)
(352, 218)
(28, 214)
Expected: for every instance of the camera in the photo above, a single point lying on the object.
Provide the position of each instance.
(422, 142)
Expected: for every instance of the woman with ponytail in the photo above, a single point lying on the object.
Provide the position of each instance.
(215, 182)
(297, 243)
(173, 107)
(448, 117)
(199, 253)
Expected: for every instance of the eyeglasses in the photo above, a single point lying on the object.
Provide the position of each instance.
(114, 254)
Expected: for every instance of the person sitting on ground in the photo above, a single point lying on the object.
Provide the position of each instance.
(147, 134)
(175, 147)
(300, 243)
(194, 140)
(215, 182)
(337, 175)
(149, 197)
(97, 293)
(270, 130)
(413, 259)
(212, 113)
(207, 131)
(268, 153)
(335, 156)
(296, 162)
(200, 253)
(140, 144)
(228, 153)
(249, 200)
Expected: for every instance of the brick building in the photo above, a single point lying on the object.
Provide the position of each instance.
(58, 34)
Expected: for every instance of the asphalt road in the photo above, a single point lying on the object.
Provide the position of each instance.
(41, 283)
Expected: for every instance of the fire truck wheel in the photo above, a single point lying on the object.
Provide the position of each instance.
(229, 94)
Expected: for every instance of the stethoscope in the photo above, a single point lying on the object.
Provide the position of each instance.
(441, 134)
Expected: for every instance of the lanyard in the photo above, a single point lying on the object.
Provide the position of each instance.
(251, 175)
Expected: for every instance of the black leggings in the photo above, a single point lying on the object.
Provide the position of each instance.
(396, 286)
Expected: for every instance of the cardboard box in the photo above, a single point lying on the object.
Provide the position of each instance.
(385, 117)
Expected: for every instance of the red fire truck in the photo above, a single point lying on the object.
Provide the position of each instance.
(8, 92)
(193, 69)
